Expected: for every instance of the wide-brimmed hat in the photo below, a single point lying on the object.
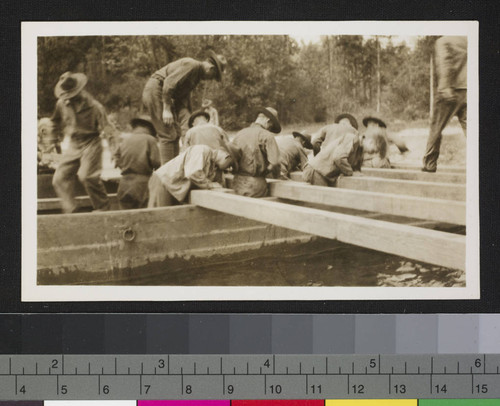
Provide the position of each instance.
(69, 85)
(306, 137)
(206, 102)
(144, 121)
(197, 114)
(375, 119)
(271, 114)
(219, 61)
(350, 117)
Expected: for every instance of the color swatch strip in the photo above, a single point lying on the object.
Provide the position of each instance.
(249, 334)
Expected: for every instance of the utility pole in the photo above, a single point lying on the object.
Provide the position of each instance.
(431, 85)
(378, 74)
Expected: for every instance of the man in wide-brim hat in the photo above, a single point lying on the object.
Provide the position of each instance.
(137, 156)
(202, 132)
(167, 97)
(344, 124)
(293, 155)
(260, 154)
(347, 119)
(376, 123)
(83, 119)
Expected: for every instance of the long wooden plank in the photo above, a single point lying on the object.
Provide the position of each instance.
(435, 247)
(54, 203)
(398, 205)
(440, 168)
(435, 190)
(407, 174)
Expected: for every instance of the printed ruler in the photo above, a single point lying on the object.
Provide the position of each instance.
(99, 377)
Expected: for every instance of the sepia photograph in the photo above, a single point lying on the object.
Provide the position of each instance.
(250, 161)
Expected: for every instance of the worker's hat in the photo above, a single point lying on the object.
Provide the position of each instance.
(197, 114)
(272, 115)
(69, 85)
(350, 117)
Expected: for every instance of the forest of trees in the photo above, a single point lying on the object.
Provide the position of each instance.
(304, 82)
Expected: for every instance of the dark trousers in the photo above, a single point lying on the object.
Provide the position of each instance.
(85, 161)
(133, 191)
(168, 135)
(442, 112)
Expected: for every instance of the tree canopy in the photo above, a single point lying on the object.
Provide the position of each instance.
(304, 82)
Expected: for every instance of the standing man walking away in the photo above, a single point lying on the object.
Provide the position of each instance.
(167, 97)
(259, 154)
(83, 119)
(207, 105)
(450, 59)
(137, 156)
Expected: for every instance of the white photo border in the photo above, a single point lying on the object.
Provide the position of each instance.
(32, 292)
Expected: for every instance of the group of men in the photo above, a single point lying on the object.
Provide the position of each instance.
(172, 150)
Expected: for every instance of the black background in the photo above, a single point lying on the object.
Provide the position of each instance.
(13, 12)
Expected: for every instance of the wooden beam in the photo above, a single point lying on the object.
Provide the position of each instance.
(398, 205)
(434, 190)
(407, 174)
(440, 168)
(54, 203)
(435, 247)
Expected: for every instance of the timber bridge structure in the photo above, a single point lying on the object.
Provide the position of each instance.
(402, 211)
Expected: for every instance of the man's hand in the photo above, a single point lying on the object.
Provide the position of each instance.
(168, 117)
(357, 173)
(447, 95)
(215, 185)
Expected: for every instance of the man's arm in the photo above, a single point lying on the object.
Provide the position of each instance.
(57, 122)
(107, 130)
(341, 153)
(154, 155)
(273, 156)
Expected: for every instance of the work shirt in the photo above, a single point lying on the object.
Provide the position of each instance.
(450, 58)
(193, 167)
(258, 150)
(137, 153)
(207, 134)
(83, 121)
(179, 79)
(330, 133)
(342, 156)
(293, 156)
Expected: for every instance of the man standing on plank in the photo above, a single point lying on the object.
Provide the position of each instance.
(83, 119)
(260, 155)
(137, 156)
(167, 97)
(450, 61)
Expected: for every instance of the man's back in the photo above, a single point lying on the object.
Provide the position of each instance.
(258, 150)
(206, 134)
(138, 153)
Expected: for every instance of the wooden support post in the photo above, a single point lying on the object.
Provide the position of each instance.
(435, 247)
(435, 190)
(398, 205)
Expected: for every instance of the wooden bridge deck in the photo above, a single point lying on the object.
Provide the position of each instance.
(405, 192)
